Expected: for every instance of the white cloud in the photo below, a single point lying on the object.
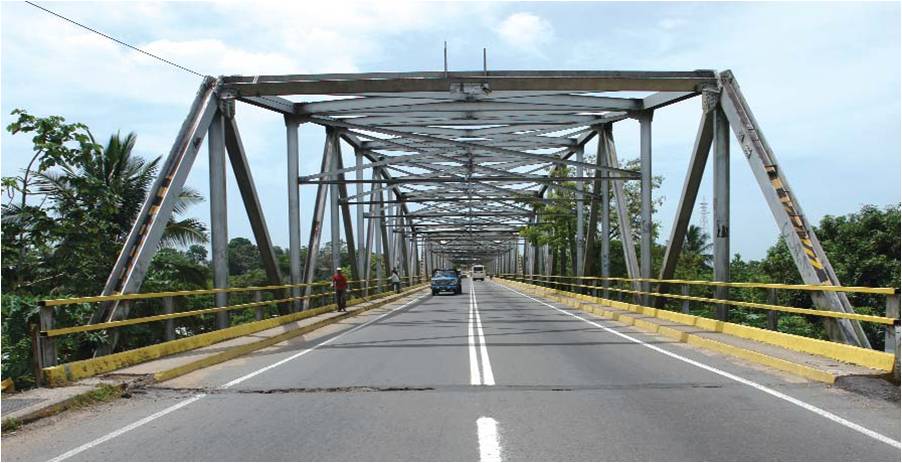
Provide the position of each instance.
(525, 31)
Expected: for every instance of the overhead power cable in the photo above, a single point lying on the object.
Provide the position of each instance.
(120, 42)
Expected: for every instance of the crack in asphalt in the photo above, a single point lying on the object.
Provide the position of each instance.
(444, 388)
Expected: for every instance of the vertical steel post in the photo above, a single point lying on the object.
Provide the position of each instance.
(379, 230)
(580, 215)
(169, 326)
(361, 261)
(370, 235)
(646, 223)
(721, 209)
(334, 217)
(219, 234)
(294, 212)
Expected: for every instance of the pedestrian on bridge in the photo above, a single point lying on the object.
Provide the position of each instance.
(395, 280)
(340, 284)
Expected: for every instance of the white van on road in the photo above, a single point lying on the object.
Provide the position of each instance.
(478, 273)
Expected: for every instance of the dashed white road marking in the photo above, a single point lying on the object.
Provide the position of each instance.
(227, 385)
(489, 445)
(812, 408)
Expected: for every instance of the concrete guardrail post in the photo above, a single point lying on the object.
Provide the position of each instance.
(891, 338)
(258, 297)
(169, 327)
(772, 315)
(685, 305)
(48, 344)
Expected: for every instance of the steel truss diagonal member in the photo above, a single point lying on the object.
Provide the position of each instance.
(144, 238)
(694, 173)
(804, 247)
(254, 209)
(623, 218)
(316, 227)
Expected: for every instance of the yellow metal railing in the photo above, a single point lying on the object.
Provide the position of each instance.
(604, 285)
(45, 350)
(566, 281)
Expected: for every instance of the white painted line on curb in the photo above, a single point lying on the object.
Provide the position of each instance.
(814, 409)
(197, 397)
(475, 377)
(489, 446)
(488, 378)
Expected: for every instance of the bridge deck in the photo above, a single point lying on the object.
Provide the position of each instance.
(398, 384)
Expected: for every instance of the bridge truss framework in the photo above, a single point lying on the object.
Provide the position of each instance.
(450, 166)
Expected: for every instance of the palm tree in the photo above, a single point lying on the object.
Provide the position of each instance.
(698, 243)
(126, 179)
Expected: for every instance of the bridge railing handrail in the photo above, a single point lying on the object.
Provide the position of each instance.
(744, 304)
(197, 312)
(193, 292)
(837, 289)
(44, 344)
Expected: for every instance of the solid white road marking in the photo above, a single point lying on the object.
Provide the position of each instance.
(489, 447)
(488, 378)
(475, 377)
(123, 430)
(197, 397)
(739, 379)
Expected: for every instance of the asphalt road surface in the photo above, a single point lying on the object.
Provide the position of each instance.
(488, 375)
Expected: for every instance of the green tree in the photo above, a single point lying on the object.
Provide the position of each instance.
(243, 256)
(89, 200)
(557, 221)
(27, 227)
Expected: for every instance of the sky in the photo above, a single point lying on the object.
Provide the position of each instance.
(823, 80)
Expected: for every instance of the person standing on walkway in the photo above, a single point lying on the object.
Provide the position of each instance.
(340, 284)
(395, 280)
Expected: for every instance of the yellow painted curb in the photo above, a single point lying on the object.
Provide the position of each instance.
(238, 351)
(63, 374)
(870, 358)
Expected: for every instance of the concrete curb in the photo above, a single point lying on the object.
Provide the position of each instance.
(587, 304)
(238, 351)
(65, 401)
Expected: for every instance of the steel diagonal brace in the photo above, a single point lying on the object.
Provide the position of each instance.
(806, 250)
(144, 238)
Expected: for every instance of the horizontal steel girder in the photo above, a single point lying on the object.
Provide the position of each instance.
(588, 81)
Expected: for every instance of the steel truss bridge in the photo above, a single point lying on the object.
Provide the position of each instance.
(449, 166)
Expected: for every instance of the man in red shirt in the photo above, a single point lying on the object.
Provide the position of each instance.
(340, 283)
